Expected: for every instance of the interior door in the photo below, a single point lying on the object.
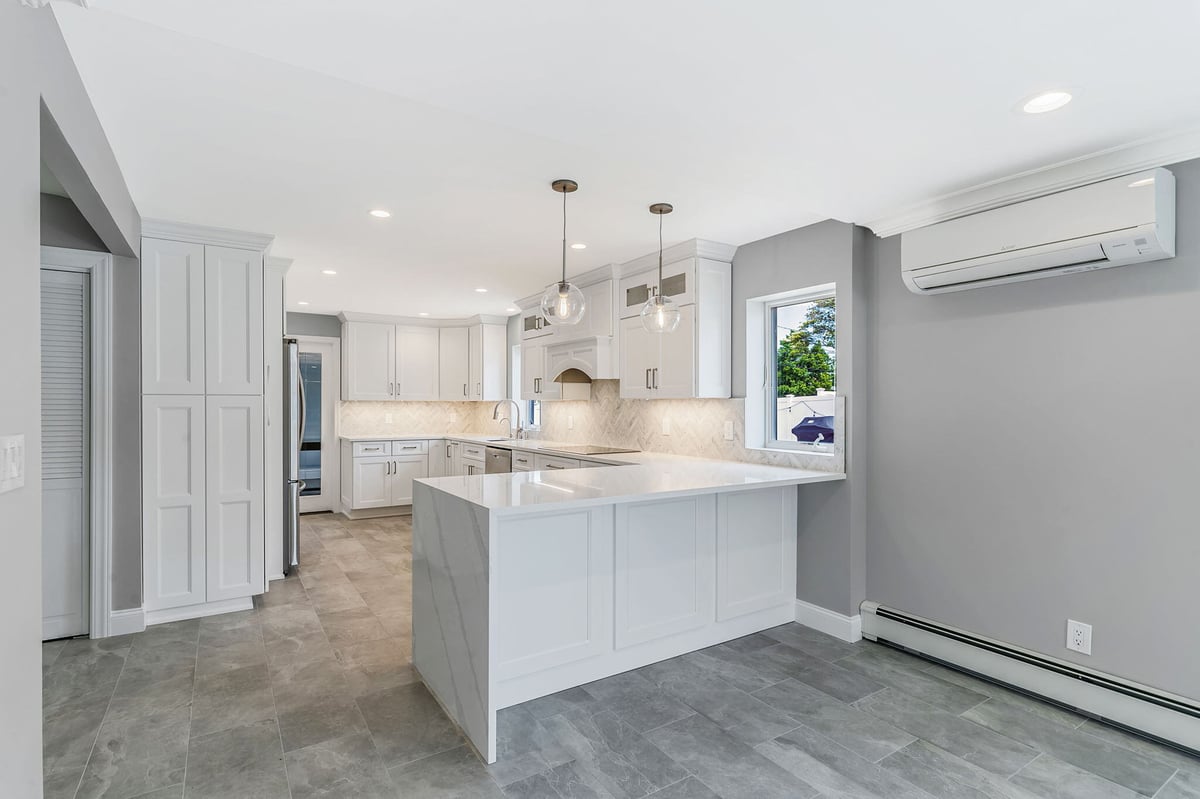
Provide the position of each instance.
(66, 529)
(318, 444)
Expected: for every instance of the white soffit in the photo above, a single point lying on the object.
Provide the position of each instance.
(298, 116)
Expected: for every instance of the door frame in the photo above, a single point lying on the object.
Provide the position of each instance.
(331, 472)
(98, 265)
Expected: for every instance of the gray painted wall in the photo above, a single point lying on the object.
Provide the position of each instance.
(1034, 457)
(62, 225)
(35, 64)
(830, 569)
(313, 324)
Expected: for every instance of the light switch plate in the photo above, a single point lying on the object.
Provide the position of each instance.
(570, 422)
(387, 418)
(666, 425)
(12, 463)
(729, 431)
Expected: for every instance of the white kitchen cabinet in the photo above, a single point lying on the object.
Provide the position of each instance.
(417, 363)
(405, 469)
(598, 313)
(454, 458)
(487, 356)
(695, 360)
(172, 317)
(368, 361)
(522, 461)
(438, 460)
(534, 325)
(173, 501)
(536, 382)
(454, 364)
(370, 482)
(234, 555)
(233, 321)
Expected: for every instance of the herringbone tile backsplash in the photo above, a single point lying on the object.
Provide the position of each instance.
(697, 426)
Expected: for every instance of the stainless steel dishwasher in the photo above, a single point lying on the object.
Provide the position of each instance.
(497, 461)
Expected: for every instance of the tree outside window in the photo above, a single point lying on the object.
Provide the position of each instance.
(806, 358)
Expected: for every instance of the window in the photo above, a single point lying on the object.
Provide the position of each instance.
(802, 361)
(791, 370)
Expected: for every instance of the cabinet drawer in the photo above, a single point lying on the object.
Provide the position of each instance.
(473, 451)
(410, 447)
(551, 463)
(522, 462)
(370, 449)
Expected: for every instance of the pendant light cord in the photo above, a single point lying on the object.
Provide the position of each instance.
(564, 254)
(660, 216)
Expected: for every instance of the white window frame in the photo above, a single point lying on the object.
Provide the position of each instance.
(761, 350)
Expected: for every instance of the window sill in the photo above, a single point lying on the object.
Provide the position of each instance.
(828, 453)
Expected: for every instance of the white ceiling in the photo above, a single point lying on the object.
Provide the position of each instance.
(295, 117)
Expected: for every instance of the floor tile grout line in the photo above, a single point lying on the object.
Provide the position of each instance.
(107, 708)
(187, 752)
(1012, 776)
(1162, 787)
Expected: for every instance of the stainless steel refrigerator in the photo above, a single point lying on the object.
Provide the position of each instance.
(293, 435)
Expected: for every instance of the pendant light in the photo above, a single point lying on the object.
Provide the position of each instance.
(563, 303)
(660, 314)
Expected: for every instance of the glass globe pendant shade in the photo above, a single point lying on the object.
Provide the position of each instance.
(563, 304)
(660, 315)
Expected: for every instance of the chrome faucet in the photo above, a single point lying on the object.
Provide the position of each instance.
(519, 433)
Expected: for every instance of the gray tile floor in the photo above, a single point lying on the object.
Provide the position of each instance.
(312, 694)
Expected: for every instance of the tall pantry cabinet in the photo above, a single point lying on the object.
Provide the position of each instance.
(204, 381)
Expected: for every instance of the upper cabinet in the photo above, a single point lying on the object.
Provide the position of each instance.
(402, 360)
(693, 360)
(202, 319)
(368, 361)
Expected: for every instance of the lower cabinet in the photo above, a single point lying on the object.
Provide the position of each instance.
(385, 481)
(203, 499)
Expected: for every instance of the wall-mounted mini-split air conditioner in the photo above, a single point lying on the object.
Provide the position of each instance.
(1115, 222)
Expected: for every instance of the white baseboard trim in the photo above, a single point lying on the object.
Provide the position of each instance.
(124, 622)
(198, 611)
(845, 628)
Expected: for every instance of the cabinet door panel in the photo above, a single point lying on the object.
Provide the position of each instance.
(235, 512)
(664, 568)
(453, 367)
(372, 482)
(405, 469)
(173, 506)
(552, 592)
(233, 314)
(438, 459)
(370, 361)
(639, 354)
(756, 547)
(417, 363)
(532, 366)
(475, 362)
(598, 313)
(676, 376)
(172, 317)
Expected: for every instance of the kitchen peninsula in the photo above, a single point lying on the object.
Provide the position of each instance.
(529, 583)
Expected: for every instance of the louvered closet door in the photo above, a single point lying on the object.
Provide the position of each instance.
(66, 334)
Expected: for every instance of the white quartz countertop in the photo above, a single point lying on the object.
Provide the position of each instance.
(646, 475)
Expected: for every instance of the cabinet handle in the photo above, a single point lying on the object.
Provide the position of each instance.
(414, 446)
(552, 466)
(648, 386)
(464, 389)
(656, 377)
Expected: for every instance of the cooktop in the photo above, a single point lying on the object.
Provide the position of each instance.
(591, 449)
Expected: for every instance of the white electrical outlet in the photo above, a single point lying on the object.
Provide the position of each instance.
(12, 463)
(570, 422)
(666, 425)
(729, 431)
(387, 417)
(1079, 637)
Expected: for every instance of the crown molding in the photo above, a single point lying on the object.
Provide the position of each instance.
(695, 248)
(278, 263)
(582, 280)
(201, 234)
(422, 321)
(1154, 151)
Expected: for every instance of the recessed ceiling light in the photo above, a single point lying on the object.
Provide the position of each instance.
(579, 245)
(379, 213)
(1046, 101)
(328, 271)
(482, 291)
(302, 302)
(1143, 182)
(422, 314)
(510, 310)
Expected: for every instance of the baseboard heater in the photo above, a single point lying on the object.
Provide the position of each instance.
(1169, 718)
